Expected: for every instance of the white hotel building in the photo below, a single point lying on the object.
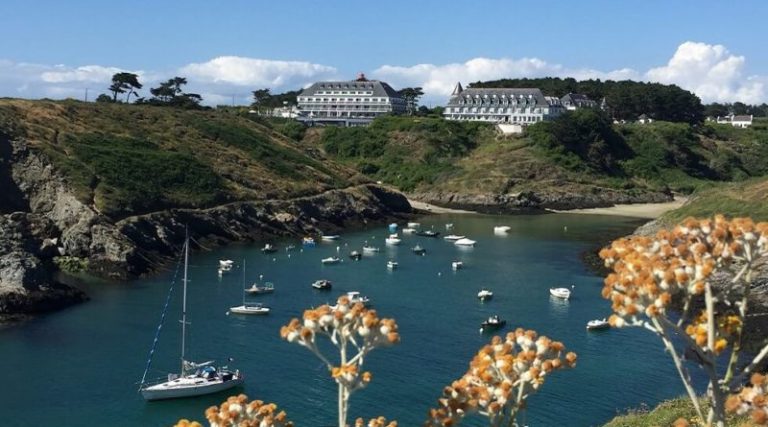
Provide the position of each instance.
(517, 107)
(349, 103)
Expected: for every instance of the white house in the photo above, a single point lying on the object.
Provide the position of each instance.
(502, 105)
(735, 121)
(644, 119)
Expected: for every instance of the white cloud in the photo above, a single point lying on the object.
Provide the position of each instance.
(712, 72)
(86, 73)
(254, 72)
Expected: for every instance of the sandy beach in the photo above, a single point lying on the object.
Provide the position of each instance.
(423, 206)
(640, 210)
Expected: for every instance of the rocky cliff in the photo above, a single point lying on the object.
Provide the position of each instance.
(42, 219)
(534, 201)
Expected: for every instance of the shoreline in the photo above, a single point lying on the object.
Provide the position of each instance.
(427, 207)
(637, 210)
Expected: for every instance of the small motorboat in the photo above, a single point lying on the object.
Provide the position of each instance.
(355, 255)
(226, 264)
(249, 309)
(449, 226)
(597, 324)
(414, 225)
(492, 323)
(453, 237)
(418, 250)
(331, 260)
(501, 229)
(393, 239)
(485, 294)
(457, 265)
(563, 293)
(465, 242)
(266, 288)
(392, 265)
(308, 241)
(409, 230)
(370, 249)
(322, 284)
(269, 248)
(330, 237)
(355, 297)
(429, 233)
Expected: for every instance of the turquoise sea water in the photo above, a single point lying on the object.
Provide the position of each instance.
(78, 367)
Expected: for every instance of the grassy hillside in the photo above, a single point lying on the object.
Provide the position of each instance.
(579, 152)
(130, 159)
(748, 198)
(666, 413)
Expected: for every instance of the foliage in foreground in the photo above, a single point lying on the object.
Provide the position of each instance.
(676, 412)
(678, 268)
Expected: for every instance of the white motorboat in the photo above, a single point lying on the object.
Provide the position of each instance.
(393, 239)
(355, 255)
(195, 379)
(308, 241)
(597, 324)
(331, 260)
(485, 294)
(563, 293)
(392, 265)
(330, 237)
(269, 248)
(266, 288)
(492, 323)
(323, 285)
(453, 237)
(409, 230)
(250, 308)
(457, 265)
(414, 225)
(418, 250)
(226, 264)
(355, 297)
(370, 249)
(501, 229)
(465, 242)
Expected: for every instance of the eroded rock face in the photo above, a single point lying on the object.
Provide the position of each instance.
(26, 283)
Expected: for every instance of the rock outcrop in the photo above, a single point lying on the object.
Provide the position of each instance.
(42, 218)
(539, 201)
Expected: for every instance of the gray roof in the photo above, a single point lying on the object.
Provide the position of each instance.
(742, 118)
(501, 93)
(379, 88)
(576, 97)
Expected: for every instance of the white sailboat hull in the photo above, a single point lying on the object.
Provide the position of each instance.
(188, 386)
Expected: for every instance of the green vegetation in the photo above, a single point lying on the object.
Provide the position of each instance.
(132, 159)
(666, 413)
(402, 151)
(626, 100)
(71, 264)
(748, 198)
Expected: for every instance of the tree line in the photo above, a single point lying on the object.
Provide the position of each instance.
(168, 93)
(717, 109)
(624, 100)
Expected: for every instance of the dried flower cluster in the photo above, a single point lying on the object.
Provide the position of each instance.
(500, 378)
(238, 412)
(354, 330)
(375, 422)
(674, 270)
(752, 399)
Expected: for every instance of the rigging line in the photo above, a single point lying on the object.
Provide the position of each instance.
(200, 244)
(160, 326)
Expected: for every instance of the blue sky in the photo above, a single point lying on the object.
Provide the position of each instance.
(57, 48)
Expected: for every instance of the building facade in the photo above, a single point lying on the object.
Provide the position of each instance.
(742, 121)
(349, 103)
(573, 101)
(502, 106)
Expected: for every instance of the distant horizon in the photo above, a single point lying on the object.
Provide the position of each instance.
(58, 50)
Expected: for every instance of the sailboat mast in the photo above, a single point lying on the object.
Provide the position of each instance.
(184, 301)
(243, 282)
